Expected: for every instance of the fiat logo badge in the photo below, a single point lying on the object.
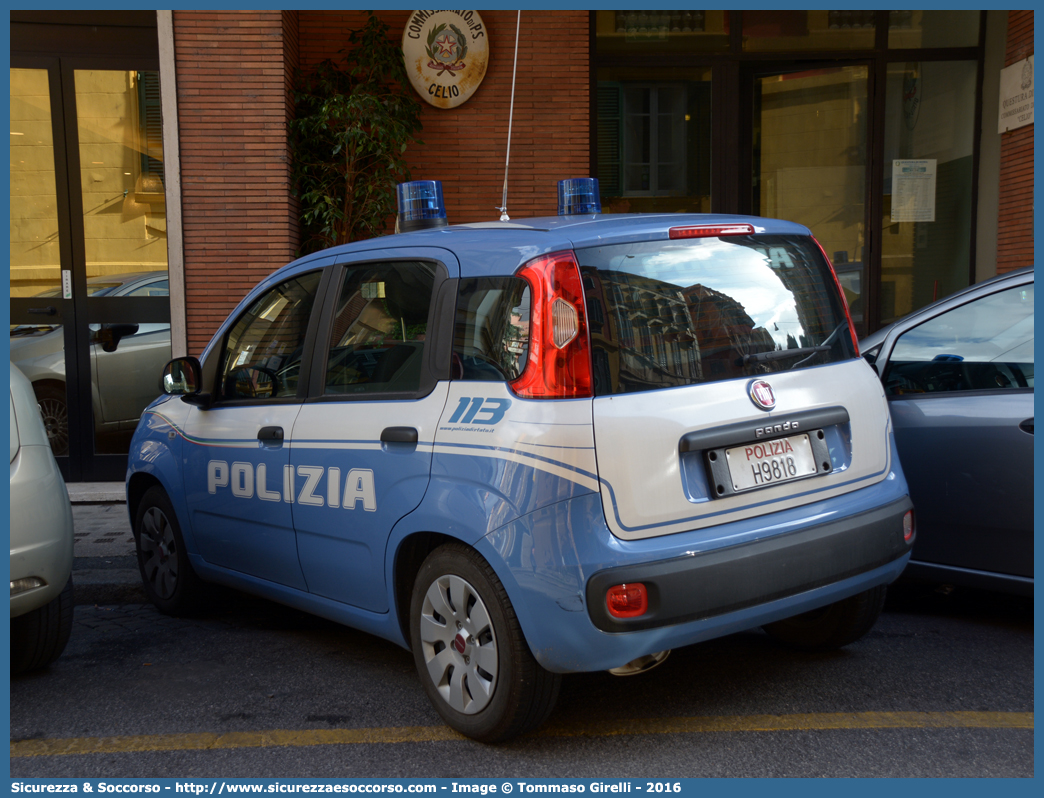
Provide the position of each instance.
(761, 394)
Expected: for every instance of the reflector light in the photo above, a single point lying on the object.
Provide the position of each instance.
(558, 363)
(712, 230)
(627, 601)
(564, 323)
(578, 195)
(908, 526)
(420, 205)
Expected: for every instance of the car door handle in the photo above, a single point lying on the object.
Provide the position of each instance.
(1027, 426)
(399, 435)
(270, 434)
(50, 310)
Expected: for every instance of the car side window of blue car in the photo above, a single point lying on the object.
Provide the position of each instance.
(380, 328)
(262, 357)
(983, 345)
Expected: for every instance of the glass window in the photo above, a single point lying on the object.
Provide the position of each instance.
(984, 345)
(939, 28)
(700, 310)
(809, 158)
(808, 30)
(491, 340)
(654, 130)
(928, 179)
(263, 349)
(119, 126)
(379, 328)
(621, 33)
(35, 261)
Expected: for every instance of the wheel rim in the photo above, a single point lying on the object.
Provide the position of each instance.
(159, 552)
(56, 421)
(459, 644)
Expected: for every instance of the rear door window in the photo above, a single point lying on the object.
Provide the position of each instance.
(673, 313)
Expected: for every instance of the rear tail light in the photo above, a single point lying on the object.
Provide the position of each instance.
(908, 526)
(558, 365)
(844, 299)
(627, 601)
(712, 231)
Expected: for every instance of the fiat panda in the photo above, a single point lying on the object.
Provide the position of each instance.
(533, 447)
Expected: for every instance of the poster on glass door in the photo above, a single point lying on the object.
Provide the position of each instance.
(913, 190)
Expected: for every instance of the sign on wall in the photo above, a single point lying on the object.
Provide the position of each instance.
(446, 55)
(1016, 96)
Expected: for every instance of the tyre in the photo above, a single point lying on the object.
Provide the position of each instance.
(54, 409)
(832, 626)
(469, 650)
(39, 637)
(166, 573)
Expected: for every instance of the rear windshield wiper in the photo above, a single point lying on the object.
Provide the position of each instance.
(782, 354)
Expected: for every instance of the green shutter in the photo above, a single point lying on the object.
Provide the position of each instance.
(609, 129)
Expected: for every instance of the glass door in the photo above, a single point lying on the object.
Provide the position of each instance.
(809, 145)
(90, 314)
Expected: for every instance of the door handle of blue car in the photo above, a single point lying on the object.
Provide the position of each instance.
(399, 435)
(270, 434)
(1027, 426)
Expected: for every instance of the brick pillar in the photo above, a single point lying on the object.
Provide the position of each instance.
(1015, 226)
(240, 223)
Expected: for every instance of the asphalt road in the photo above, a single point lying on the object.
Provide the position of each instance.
(943, 686)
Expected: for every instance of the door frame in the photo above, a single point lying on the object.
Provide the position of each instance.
(77, 314)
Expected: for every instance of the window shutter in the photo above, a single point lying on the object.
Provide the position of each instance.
(609, 128)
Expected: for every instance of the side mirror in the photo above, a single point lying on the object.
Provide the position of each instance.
(182, 377)
(110, 335)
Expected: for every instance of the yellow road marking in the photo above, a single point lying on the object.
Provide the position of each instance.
(417, 734)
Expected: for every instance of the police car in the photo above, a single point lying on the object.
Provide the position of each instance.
(534, 447)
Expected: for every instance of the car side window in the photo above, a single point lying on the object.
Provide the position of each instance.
(491, 335)
(379, 328)
(263, 349)
(983, 345)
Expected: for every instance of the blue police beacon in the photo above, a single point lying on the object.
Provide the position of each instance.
(420, 205)
(578, 195)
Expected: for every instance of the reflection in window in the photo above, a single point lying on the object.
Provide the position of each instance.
(984, 345)
(379, 328)
(709, 309)
(491, 340)
(263, 351)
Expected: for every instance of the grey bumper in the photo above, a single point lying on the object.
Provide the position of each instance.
(725, 580)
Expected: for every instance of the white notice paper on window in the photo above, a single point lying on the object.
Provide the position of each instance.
(913, 190)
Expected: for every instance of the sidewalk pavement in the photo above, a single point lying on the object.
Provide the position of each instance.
(105, 566)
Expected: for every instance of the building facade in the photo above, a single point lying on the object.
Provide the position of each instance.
(151, 183)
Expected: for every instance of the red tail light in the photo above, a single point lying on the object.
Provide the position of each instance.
(627, 601)
(711, 231)
(844, 299)
(559, 360)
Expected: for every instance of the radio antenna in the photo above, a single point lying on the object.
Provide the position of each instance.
(511, 113)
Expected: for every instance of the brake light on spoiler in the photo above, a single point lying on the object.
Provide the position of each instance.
(712, 230)
(558, 365)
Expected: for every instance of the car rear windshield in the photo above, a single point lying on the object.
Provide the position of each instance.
(670, 313)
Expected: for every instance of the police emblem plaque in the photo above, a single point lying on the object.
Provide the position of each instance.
(446, 54)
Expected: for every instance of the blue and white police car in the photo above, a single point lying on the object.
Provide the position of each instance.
(528, 448)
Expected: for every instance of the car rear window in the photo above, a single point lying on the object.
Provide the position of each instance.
(670, 313)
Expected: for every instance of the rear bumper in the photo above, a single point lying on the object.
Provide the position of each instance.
(708, 584)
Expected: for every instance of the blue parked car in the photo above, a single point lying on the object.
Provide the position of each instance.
(528, 448)
(959, 379)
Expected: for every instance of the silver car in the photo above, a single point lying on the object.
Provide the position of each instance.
(959, 379)
(126, 360)
(41, 539)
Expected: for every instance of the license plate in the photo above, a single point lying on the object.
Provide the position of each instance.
(758, 465)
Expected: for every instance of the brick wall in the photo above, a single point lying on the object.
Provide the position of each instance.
(239, 220)
(465, 147)
(1015, 226)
